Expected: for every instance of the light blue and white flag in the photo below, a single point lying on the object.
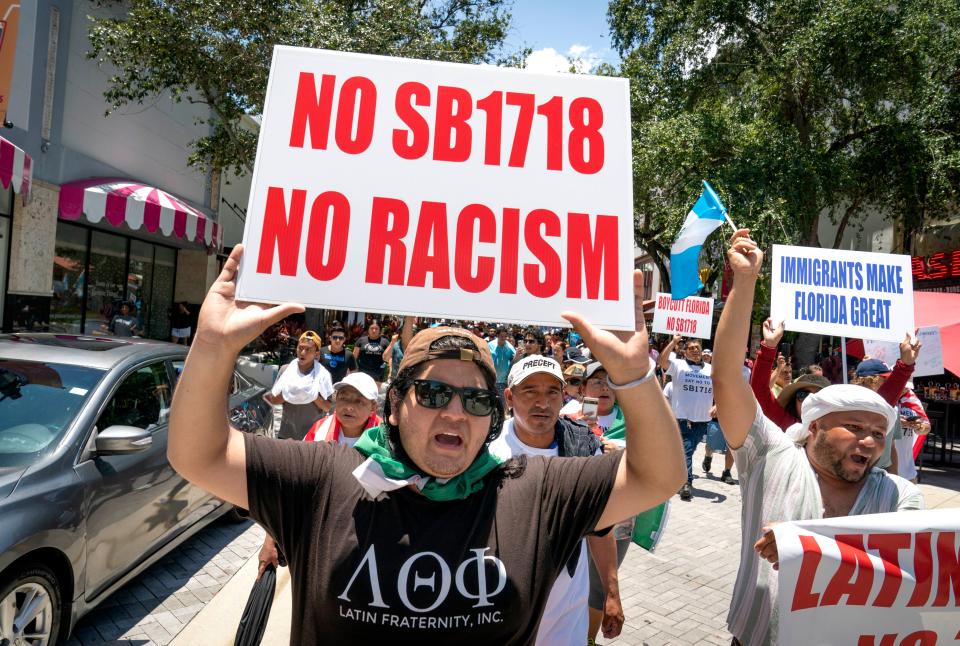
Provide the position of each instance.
(703, 219)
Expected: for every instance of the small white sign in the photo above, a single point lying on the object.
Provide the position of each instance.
(930, 361)
(691, 316)
(855, 294)
(444, 190)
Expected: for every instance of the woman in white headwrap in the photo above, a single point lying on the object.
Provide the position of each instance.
(304, 388)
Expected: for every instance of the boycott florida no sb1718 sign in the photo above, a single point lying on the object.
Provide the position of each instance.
(438, 189)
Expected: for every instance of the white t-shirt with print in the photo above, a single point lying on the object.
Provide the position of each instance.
(692, 395)
(565, 618)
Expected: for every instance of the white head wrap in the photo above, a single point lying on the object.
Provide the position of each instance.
(838, 398)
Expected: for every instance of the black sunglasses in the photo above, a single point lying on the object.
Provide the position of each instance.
(530, 341)
(337, 338)
(437, 394)
(802, 394)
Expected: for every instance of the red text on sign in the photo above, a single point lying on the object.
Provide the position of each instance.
(282, 229)
(591, 251)
(454, 123)
(934, 561)
(354, 118)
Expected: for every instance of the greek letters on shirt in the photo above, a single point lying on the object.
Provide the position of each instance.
(423, 583)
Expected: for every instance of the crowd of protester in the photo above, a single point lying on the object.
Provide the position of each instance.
(557, 393)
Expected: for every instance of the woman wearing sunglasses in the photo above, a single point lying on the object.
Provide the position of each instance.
(419, 534)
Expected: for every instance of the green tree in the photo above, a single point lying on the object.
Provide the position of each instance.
(218, 52)
(794, 111)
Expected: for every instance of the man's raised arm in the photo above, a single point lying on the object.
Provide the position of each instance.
(201, 446)
(653, 466)
(736, 405)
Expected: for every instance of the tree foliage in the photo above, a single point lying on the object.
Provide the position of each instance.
(793, 110)
(218, 52)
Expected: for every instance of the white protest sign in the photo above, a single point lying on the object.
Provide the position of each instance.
(855, 294)
(930, 361)
(439, 189)
(876, 580)
(691, 316)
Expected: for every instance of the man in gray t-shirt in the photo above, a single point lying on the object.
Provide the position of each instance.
(828, 471)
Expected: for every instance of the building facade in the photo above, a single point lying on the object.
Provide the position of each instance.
(115, 215)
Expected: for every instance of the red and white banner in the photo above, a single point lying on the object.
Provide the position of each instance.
(438, 189)
(875, 580)
(691, 316)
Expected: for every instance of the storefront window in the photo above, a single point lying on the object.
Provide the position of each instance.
(121, 270)
(140, 284)
(69, 277)
(107, 284)
(161, 298)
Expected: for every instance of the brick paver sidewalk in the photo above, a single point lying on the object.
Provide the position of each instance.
(156, 605)
(680, 594)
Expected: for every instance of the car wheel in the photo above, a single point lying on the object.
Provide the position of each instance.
(30, 607)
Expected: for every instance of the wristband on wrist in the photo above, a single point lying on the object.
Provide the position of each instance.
(636, 382)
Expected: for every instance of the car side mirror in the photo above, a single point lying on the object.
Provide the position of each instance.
(121, 440)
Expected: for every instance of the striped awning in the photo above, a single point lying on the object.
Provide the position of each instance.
(16, 169)
(123, 201)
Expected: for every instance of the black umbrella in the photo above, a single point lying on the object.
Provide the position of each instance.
(255, 615)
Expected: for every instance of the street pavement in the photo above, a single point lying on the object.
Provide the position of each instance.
(677, 596)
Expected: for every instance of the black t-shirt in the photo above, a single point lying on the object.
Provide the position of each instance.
(406, 569)
(371, 360)
(337, 363)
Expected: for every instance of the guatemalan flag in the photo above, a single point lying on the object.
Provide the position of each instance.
(702, 220)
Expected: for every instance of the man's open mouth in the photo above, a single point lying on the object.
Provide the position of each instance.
(860, 459)
(448, 440)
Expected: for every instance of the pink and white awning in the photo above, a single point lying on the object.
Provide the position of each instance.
(121, 201)
(16, 169)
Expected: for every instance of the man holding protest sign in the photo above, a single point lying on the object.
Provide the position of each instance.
(437, 540)
(829, 473)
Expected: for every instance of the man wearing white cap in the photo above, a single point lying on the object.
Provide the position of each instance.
(355, 412)
(535, 393)
(827, 471)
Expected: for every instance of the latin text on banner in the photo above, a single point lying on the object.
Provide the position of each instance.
(874, 580)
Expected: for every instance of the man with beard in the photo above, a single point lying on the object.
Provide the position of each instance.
(828, 471)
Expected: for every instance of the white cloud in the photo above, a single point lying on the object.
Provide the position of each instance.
(547, 60)
(581, 57)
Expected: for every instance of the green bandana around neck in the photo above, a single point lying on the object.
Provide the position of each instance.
(373, 444)
(617, 430)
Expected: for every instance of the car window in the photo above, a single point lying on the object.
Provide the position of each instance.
(177, 370)
(142, 400)
(38, 401)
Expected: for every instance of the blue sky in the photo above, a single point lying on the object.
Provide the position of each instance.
(557, 29)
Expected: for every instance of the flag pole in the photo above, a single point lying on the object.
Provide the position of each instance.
(843, 354)
(729, 221)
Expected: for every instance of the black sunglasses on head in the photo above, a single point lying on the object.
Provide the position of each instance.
(437, 394)
(802, 394)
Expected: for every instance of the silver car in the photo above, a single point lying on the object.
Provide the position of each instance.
(87, 497)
